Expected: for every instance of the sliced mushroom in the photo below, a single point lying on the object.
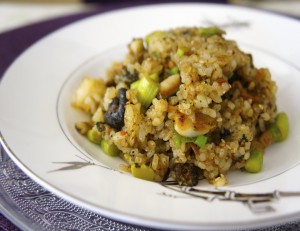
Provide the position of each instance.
(187, 174)
(114, 117)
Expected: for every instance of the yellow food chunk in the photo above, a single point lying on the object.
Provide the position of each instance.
(89, 94)
(185, 126)
(169, 86)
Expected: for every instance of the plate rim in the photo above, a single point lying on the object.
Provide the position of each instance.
(28, 171)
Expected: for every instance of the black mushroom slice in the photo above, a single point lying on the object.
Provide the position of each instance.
(114, 116)
(126, 77)
(187, 174)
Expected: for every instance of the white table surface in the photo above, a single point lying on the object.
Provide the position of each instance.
(17, 14)
(14, 15)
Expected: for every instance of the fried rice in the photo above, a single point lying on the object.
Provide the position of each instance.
(184, 104)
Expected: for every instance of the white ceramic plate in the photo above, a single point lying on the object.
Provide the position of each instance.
(37, 121)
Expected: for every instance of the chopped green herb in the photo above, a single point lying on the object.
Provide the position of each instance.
(201, 141)
(144, 172)
(94, 136)
(282, 123)
(280, 128)
(109, 149)
(244, 138)
(135, 84)
(178, 140)
(147, 90)
(155, 33)
(180, 52)
(276, 135)
(174, 70)
(255, 161)
(209, 31)
(154, 77)
(99, 126)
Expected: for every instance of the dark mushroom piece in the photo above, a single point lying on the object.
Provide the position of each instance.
(126, 77)
(187, 174)
(114, 116)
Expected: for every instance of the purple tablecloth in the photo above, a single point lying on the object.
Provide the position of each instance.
(13, 43)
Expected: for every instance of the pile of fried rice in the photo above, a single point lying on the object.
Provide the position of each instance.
(185, 104)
